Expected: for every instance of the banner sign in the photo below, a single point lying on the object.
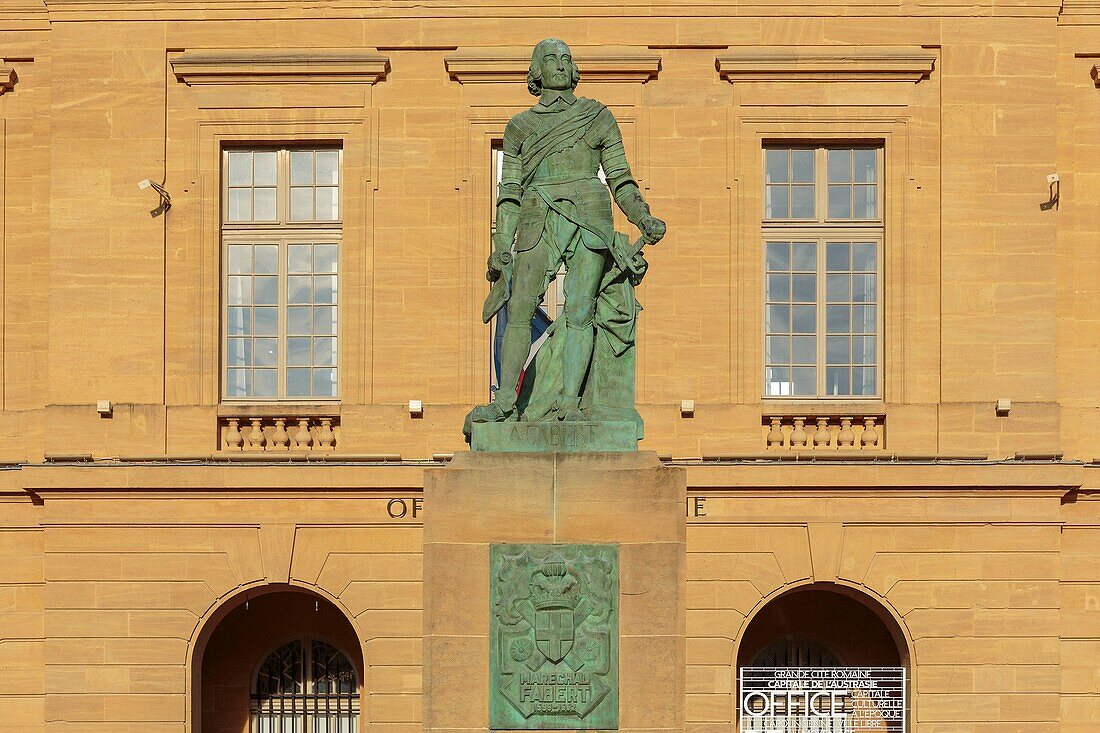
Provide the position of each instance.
(822, 699)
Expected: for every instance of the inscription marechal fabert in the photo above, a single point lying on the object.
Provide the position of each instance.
(554, 629)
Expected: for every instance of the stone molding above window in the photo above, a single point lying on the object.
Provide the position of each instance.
(288, 67)
(474, 66)
(841, 63)
(25, 15)
(7, 78)
(1078, 12)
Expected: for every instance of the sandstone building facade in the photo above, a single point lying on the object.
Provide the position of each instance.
(869, 339)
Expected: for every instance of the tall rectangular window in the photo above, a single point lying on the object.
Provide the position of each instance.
(281, 232)
(822, 240)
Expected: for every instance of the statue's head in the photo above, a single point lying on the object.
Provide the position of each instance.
(552, 67)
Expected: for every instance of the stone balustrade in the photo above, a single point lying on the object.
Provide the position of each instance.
(263, 433)
(825, 432)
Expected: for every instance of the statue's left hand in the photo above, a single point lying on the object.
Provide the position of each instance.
(653, 229)
(498, 260)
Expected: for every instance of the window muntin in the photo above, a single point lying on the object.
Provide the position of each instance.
(789, 183)
(314, 185)
(305, 685)
(790, 318)
(822, 272)
(281, 279)
(853, 183)
(824, 184)
(312, 288)
(251, 181)
(252, 320)
(851, 318)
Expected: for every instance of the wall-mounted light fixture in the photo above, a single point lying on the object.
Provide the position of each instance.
(165, 197)
(104, 408)
(1055, 184)
(1004, 406)
(687, 408)
(416, 408)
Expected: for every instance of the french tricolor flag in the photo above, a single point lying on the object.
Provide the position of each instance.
(539, 324)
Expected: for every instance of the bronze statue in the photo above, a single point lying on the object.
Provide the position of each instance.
(552, 208)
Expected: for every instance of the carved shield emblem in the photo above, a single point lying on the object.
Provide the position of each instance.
(554, 632)
(553, 650)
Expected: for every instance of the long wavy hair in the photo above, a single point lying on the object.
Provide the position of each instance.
(534, 74)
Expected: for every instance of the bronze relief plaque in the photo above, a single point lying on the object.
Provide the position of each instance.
(554, 637)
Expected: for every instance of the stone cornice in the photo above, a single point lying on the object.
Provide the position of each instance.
(200, 473)
(843, 63)
(288, 67)
(169, 10)
(7, 78)
(24, 15)
(1079, 12)
(473, 66)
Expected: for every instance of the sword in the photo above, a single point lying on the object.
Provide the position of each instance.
(629, 256)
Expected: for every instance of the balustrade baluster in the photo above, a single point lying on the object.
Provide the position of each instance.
(256, 437)
(279, 439)
(326, 439)
(302, 438)
(798, 435)
(775, 433)
(870, 438)
(845, 438)
(233, 437)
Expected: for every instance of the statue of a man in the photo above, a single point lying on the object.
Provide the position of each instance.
(552, 208)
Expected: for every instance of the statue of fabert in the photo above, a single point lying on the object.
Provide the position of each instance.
(553, 208)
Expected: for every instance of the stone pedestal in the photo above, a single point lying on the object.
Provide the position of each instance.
(553, 436)
(627, 499)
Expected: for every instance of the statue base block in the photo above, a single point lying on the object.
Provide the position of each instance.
(562, 437)
(571, 530)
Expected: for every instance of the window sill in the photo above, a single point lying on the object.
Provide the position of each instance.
(278, 409)
(825, 406)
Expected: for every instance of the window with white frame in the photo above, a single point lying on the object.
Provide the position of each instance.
(281, 232)
(822, 244)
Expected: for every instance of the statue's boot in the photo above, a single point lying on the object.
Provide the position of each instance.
(576, 359)
(513, 353)
(491, 412)
(568, 409)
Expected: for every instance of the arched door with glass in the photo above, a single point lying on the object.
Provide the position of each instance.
(306, 685)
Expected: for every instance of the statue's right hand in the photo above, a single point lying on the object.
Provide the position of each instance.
(495, 266)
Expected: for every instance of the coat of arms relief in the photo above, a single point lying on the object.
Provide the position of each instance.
(554, 636)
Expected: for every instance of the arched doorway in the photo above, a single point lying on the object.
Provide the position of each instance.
(823, 659)
(278, 660)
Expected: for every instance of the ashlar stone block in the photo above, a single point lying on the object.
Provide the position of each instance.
(542, 635)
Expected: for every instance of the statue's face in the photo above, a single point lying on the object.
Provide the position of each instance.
(556, 66)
